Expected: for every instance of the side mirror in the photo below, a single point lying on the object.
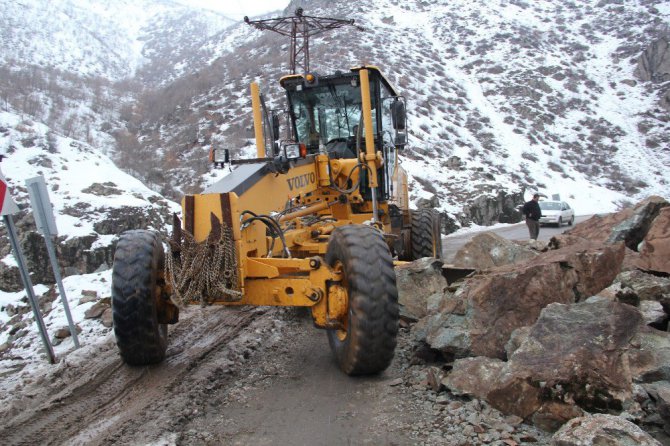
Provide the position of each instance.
(275, 127)
(398, 114)
(400, 140)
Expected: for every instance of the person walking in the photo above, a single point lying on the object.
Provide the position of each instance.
(532, 212)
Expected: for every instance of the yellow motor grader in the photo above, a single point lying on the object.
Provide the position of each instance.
(314, 221)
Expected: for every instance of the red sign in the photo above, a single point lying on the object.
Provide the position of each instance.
(3, 189)
(7, 205)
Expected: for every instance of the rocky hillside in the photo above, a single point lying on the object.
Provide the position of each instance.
(93, 202)
(509, 95)
(505, 96)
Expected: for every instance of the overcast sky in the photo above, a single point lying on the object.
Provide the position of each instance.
(237, 9)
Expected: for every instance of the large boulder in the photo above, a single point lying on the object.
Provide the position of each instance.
(602, 430)
(418, 283)
(581, 349)
(629, 225)
(655, 252)
(596, 266)
(488, 250)
(480, 316)
(573, 358)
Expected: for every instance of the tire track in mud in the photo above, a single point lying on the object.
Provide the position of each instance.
(110, 402)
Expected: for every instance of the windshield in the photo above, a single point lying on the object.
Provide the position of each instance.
(550, 205)
(326, 115)
(327, 112)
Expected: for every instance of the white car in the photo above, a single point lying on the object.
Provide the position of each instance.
(556, 213)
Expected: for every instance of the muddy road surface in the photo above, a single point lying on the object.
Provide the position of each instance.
(247, 376)
(100, 400)
(232, 376)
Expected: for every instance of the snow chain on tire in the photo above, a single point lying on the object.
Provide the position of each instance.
(203, 272)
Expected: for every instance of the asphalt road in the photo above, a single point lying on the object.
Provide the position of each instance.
(451, 244)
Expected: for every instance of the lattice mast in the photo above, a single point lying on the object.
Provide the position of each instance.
(299, 28)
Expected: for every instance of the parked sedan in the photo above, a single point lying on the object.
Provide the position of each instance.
(556, 213)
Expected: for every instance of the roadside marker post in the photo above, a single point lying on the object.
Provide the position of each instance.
(46, 225)
(7, 209)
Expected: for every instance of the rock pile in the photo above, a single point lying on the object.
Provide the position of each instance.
(575, 334)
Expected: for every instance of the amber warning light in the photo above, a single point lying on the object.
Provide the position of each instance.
(311, 80)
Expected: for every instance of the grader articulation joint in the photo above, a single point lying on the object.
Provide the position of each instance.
(315, 221)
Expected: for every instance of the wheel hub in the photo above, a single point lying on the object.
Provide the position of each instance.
(338, 304)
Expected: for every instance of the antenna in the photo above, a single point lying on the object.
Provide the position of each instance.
(299, 28)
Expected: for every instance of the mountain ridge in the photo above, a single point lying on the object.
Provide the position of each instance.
(110, 39)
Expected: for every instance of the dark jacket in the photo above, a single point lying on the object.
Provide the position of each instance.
(532, 210)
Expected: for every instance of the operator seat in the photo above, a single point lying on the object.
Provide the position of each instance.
(341, 148)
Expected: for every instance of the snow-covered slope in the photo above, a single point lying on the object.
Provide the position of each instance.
(535, 94)
(84, 185)
(526, 95)
(111, 39)
(76, 65)
(93, 202)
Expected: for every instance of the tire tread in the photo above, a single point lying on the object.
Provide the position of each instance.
(373, 300)
(140, 338)
(425, 234)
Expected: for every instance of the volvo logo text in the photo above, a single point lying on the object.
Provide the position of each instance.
(301, 181)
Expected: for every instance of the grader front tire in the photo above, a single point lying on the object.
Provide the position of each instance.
(426, 239)
(138, 263)
(366, 342)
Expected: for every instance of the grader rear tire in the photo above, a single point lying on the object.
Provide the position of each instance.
(366, 343)
(426, 240)
(138, 262)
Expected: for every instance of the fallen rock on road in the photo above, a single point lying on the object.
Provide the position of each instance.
(578, 329)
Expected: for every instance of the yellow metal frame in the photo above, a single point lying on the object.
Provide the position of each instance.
(370, 154)
(258, 121)
(305, 279)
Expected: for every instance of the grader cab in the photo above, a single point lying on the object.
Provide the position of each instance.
(314, 221)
